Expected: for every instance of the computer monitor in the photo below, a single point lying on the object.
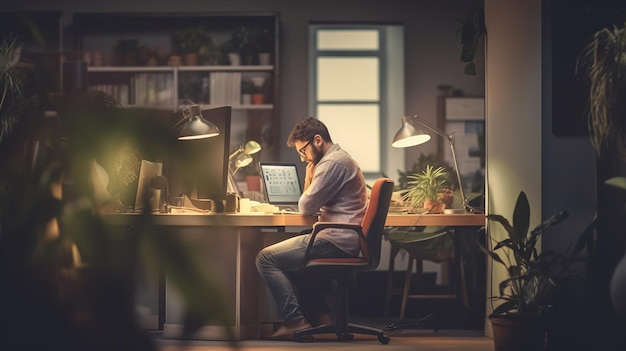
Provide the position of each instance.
(205, 174)
(148, 197)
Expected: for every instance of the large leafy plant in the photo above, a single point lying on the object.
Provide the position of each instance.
(603, 61)
(532, 276)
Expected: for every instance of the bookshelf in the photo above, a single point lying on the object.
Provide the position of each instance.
(145, 60)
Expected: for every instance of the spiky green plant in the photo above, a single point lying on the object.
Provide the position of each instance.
(429, 184)
(603, 61)
(14, 103)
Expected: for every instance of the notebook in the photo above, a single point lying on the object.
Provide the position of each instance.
(281, 184)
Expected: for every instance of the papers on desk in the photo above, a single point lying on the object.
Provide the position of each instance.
(186, 210)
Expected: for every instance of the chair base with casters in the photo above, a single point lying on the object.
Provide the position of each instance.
(342, 328)
(342, 269)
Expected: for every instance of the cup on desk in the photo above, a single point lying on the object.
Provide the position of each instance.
(232, 203)
(244, 205)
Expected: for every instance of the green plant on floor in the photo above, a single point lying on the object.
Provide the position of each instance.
(15, 102)
(65, 273)
(531, 276)
(603, 61)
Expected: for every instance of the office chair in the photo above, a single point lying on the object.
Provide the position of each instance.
(370, 232)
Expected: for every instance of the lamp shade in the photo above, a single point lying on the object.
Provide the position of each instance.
(242, 160)
(197, 127)
(408, 136)
(251, 147)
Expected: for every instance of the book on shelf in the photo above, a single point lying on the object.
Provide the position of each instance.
(225, 88)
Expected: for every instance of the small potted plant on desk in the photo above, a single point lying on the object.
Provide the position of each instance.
(428, 189)
(528, 293)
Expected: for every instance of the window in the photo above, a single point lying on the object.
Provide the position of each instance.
(349, 77)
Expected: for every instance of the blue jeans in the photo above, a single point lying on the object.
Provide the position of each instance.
(276, 263)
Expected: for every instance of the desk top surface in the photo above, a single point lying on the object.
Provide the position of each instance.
(284, 220)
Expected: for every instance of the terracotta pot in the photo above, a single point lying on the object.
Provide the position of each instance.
(514, 332)
(257, 99)
(434, 206)
(190, 59)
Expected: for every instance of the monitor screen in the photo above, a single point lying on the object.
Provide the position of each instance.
(205, 175)
(148, 196)
(281, 183)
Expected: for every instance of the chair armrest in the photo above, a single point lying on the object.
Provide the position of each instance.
(319, 226)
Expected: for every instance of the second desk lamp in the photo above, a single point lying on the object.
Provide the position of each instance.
(408, 136)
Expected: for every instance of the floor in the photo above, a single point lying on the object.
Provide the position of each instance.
(423, 340)
(407, 336)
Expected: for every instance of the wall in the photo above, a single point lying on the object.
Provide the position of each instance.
(513, 114)
(431, 55)
(557, 173)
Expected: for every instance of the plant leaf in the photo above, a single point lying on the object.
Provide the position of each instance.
(618, 182)
(521, 219)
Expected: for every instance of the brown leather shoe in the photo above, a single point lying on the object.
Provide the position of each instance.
(286, 331)
(323, 319)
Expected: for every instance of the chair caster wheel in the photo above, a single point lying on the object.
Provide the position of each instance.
(384, 339)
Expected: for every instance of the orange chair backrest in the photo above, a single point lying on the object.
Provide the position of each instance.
(374, 221)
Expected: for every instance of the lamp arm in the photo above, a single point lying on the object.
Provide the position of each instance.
(450, 138)
(235, 153)
(186, 113)
(458, 173)
(437, 131)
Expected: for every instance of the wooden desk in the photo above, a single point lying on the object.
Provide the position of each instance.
(230, 243)
(291, 220)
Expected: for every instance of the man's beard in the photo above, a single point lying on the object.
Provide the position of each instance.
(317, 154)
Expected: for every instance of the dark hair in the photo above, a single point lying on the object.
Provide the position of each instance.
(306, 129)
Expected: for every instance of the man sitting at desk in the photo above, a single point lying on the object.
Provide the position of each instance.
(334, 186)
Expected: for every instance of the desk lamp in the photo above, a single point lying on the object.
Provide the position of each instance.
(239, 159)
(408, 136)
(195, 126)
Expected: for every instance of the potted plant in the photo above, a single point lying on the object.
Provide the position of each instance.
(128, 52)
(602, 64)
(528, 293)
(188, 41)
(428, 189)
(240, 47)
(14, 103)
(247, 89)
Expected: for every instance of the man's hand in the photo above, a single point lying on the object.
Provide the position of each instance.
(308, 177)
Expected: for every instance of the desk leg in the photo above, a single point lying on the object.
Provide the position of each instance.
(227, 257)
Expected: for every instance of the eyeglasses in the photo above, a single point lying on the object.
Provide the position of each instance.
(302, 151)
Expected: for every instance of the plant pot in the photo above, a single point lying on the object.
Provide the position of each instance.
(257, 99)
(190, 58)
(264, 58)
(515, 332)
(618, 289)
(234, 59)
(246, 99)
(434, 206)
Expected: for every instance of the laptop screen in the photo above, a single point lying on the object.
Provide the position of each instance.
(281, 183)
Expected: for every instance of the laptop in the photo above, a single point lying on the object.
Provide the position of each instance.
(281, 185)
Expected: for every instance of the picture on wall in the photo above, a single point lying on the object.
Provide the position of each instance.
(465, 117)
